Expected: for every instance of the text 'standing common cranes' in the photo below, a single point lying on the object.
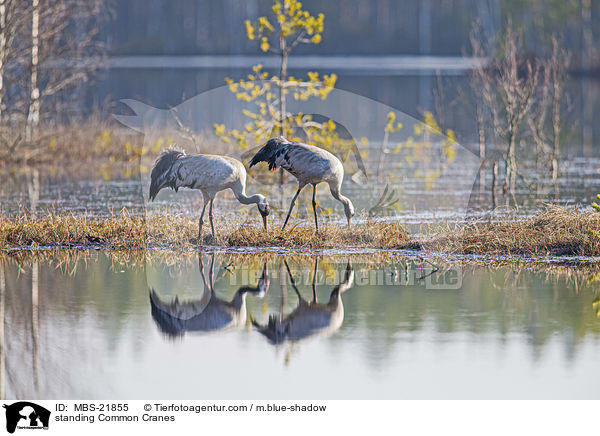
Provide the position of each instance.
(208, 173)
(310, 165)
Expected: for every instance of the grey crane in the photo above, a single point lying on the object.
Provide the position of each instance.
(208, 173)
(208, 313)
(309, 318)
(310, 165)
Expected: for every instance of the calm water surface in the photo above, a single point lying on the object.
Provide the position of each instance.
(171, 328)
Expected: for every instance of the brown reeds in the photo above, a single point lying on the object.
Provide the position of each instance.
(165, 230)
(554, 232)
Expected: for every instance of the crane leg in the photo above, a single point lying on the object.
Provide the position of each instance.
(314, 282)
(314, 204)
(210, 217)
(201, 222)
(293, 282)
(292, 206)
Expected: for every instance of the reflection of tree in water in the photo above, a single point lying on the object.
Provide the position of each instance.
(48, 309)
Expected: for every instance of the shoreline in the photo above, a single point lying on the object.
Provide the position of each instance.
(555, 233)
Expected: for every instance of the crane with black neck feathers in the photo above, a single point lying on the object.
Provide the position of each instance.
(310, 165)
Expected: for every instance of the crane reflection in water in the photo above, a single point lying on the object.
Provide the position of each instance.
(208, 313)
(309, 318)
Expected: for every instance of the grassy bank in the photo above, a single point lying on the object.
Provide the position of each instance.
(123, 231)
(554, 232)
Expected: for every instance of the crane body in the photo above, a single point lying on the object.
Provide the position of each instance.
(210, 174)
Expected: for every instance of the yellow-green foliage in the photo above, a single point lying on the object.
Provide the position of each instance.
(292, 22)
(264, 120)
(596, 206)
(288, 26)
(417, 148)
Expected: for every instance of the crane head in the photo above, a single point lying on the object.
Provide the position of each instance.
(264, 209)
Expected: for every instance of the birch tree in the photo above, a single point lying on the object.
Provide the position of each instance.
(33, 116)
(65, 52)
(48, 48)
(13, 14)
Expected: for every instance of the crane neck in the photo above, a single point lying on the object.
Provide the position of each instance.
(244, 199)
(335, 193)
(348, 206)
(240, 194)
(239, 299)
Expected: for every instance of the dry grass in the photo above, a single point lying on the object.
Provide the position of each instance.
(92, 140)
(68, 231)
(165, 230)
(67, 259)
(369, 235)
(554, 232)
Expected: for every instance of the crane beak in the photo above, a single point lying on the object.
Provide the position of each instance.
(349, 221)
(264, 217)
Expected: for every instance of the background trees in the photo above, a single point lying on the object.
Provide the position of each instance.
(48, 50)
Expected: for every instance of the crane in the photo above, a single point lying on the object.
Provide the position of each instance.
(310, 165)
(208, 173)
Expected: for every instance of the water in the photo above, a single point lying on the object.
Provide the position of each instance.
(454, 197)
(90, 329)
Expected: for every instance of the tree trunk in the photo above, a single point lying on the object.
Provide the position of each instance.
(556, 145)
(494, 182)
(510, 165)
(556, 125)
(282, 78)
(33, 188)
(33, 116)
(481, 134)
(554, 168)
(586, 61)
